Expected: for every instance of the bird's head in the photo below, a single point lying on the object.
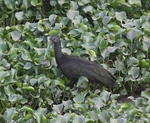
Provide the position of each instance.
(54, 39)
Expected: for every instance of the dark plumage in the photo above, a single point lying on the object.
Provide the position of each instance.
(74, 66)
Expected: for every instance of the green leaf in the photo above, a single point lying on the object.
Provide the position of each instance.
(103, 44)
(92, 53)
(98, 102)
(113, 27)
(78, 119)
(134, 71)
(8, 89)
(74, 33)
(3, 74)
(35, 3)
(106, 20)
(146, 94)
(53, 32)
(85, 1)
(27, 87)
(71, 14)
(41, 79)
(119, 65)
(15, 35)
(117, 2)
(26, 57)
(39, 51)
(133, 111)
(27, 43)
(67, 104)
(132, 61)
(39, 117)
(60, 83)
(118, 120)
(146, 43)
(5, 63)
(27, 108)
(18, 84)
(79, 98)
(135, 2)
(93, 115)
(105, 53)
(61, 118)
(103, 116)
(125, 106)
(66, 50)
(61, 2)
(3, 46)
(27, 66)
(14, 97)
(74, 5)
(26, 4)
(123, 92)
(28, 116)
(33, 81)
(10, 4)
(88, 9)
(9, 114)
(121, 16)
(81, 80)
(52, 18)
(111, 49)
(58, 108)
(131, 34)
(83, 26)
(19, 15)
(105, 95)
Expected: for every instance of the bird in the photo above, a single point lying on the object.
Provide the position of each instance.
(74, 67)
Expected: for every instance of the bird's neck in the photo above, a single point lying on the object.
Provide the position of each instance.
(58, 52)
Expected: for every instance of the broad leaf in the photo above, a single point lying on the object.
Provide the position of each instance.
(9, 114)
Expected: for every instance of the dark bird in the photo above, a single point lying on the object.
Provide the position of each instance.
(74, 66)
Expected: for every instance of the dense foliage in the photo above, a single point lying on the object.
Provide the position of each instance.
(113, 33)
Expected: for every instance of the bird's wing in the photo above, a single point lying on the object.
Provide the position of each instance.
(82, 67)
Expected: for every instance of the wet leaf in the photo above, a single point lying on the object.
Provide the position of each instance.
(121, 16)
(88, 9)
(19, 15)
(27, 66)
(103, 116)
(9, 114)
(132, 61)
(10, 4)
(98, 102)
(71, 14)
(26, 4)
(131, 34)
(136, 2)
(27, 108)
(15, 35)
(67, 104)
(118, 120)
(146, 94)
(119, 65)
(81, 80)
(52, 18)
(106, 20)
(58, 108)
(78, 119)
(79, 98)
(105, 95)
(134, 71)
(3, 74)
